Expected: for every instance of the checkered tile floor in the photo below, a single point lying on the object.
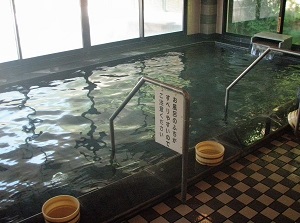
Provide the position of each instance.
(263, 187)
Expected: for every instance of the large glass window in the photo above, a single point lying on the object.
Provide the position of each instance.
(162, 16)
(113, 20)
(247, 17)
(48, 26)
(42, 27)
(8, 45)
(291, 24)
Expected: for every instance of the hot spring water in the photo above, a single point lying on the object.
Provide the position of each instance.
(258, 49)
(55, 132)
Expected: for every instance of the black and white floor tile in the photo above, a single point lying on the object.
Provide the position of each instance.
(263, 186)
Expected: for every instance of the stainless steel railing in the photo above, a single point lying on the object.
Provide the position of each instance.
(186, 110)
(296, 130)
(230, 86)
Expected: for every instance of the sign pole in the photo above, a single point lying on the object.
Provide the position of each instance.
(173, 125)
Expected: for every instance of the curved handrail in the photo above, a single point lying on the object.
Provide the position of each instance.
(248, 69)
(185, 133)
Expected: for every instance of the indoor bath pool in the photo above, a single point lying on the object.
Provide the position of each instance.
(55, 130)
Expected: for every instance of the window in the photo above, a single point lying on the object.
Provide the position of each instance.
(8, 44)
(41, 27)
(291, 25)
(48, 26)
(162, 16)
(247, 17)
(113, 20)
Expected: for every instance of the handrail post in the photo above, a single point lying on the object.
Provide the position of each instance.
(248, 69)
(240, 77)
(185, 142)
(296, 130)
(117, 112)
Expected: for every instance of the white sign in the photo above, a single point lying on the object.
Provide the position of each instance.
(169, 119)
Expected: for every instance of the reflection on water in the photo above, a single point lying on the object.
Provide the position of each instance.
(90, 142)
(30, 129)
(56, 133)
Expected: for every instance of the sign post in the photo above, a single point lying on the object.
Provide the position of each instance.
(172, 106)
(171, 126)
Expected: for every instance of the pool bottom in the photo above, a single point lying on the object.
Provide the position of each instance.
(126, 197)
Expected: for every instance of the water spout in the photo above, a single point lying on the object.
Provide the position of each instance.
(261, 41)
(258, 49)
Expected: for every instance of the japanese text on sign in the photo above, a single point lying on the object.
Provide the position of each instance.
(169, 119)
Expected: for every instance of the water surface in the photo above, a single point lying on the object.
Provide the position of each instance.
(55, 130)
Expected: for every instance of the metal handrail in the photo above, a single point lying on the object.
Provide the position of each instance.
(296, 130)
(248, 69)
(185, 125)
